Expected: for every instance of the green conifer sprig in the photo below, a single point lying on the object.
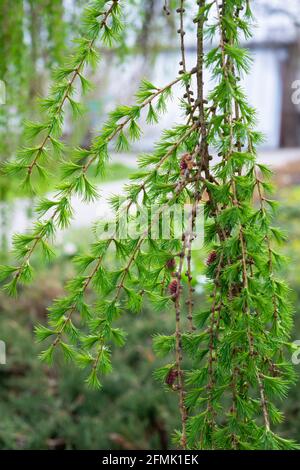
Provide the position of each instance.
(100, 277)
(236, 219)
(96, 22)
(227, 361)
(76, 181)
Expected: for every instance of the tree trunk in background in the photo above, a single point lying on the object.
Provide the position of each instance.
(290, 117)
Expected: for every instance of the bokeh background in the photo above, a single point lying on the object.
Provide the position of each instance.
(45, 407)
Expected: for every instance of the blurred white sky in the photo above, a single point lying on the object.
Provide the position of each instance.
(276, 22)
(276, 19)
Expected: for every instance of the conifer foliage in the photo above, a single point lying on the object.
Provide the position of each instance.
(228, 363)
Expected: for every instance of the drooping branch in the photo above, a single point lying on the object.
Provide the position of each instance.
(62, 92)
(226, 369)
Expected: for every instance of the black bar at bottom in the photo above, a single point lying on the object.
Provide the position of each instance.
(137, 458)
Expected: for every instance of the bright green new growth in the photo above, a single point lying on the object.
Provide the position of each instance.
(228, 363)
